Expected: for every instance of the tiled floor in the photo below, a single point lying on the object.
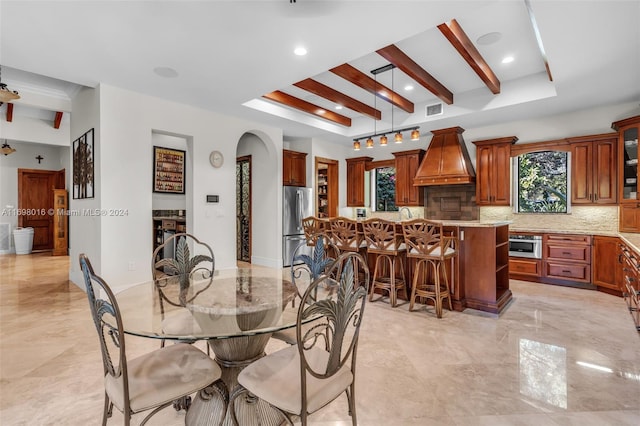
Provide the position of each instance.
(556, 356)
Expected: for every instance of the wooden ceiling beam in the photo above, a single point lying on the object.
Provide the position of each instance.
(9, 112)
(58, 120)
(308, 107)
(367, 83)
(397, 57)
(340, 98)
(459, 39)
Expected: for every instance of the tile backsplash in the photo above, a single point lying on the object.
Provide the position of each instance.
(451, 202)
(583, 218)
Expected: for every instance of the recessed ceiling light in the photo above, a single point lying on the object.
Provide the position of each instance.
(408, 87)
(489, 38)
(165, 72)
(300, 51)
(338, 106)
(507, 59)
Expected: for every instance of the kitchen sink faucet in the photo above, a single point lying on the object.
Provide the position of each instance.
(409, 215)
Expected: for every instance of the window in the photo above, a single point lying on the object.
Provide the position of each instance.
(541, 182)
(383, 189)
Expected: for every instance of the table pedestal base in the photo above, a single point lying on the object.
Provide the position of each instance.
(211, 405)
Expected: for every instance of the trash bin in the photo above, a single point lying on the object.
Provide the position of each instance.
(23, 239)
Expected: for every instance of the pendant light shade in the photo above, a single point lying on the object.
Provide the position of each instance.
(369, 143)
(383, 140)
(6, 94)
(398, 137)
(415, 135)
(356, 145)
(6, 148)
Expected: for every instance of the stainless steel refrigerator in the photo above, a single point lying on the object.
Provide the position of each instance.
(297, 204)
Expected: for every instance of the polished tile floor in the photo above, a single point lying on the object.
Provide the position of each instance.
(556, 356)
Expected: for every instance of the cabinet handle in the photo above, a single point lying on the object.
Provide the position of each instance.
(566, 252)
(564, 271)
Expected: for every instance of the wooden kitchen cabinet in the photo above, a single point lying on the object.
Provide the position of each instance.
(407, 163)
(493, 165)
(630, 287)
(355, 180)
(60, 223)
(594, 169)
(628, 130)
(605, 267)
(294, 168)
(567, 257)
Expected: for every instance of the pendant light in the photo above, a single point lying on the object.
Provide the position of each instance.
(356, 145)
(6, 94)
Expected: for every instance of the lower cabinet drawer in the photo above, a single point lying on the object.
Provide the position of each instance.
(521, 266)
(573, 272)
(577, 252)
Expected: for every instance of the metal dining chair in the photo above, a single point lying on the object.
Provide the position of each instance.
(305, 268)
(173, 269)
(149, 382)
(301, 379)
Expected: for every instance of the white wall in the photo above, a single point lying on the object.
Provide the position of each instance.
(127, 120)
(55, 158)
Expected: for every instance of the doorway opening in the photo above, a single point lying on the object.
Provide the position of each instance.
(243, 208)
(326, 187)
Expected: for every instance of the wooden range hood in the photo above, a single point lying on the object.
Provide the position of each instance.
(446, 161)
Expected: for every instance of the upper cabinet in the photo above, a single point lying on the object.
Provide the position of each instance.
(294, 168)
(594, 169)
(628, 173)
(355, 180)
(407, 163)
(493, 161)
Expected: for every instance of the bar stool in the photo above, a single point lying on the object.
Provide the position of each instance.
(314, 227)
(383, 240)
(426, 242)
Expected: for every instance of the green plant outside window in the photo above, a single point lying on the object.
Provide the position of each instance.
(385, 180)
(542, 182)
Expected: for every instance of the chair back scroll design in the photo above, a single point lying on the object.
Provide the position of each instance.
(182, 267)
(113, 355)
(323, 253)
(345, 235)
(339, 326)
(425, 238)
(314, 227)
(381, 235)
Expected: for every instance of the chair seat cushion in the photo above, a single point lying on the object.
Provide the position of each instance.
(276, 379)
(435, 253)
(162, 376)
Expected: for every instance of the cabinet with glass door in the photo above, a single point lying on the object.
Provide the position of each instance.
(628, 130)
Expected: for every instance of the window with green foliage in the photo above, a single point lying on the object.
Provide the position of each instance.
(541, 182)
(385, 189)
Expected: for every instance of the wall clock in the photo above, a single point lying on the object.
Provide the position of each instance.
(216, 159)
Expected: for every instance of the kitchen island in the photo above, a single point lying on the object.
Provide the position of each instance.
(479, 275)
(481, 272)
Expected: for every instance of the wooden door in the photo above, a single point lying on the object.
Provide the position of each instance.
(355, 181)
(35, 200)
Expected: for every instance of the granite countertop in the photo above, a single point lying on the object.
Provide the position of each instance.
(461, 223)
(565, 231)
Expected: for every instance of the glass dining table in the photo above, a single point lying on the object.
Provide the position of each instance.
(235, 311)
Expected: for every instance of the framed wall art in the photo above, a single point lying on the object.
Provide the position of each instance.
(83, 166)
(168, 170)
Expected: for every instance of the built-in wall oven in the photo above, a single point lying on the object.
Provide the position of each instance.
(521, 245)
